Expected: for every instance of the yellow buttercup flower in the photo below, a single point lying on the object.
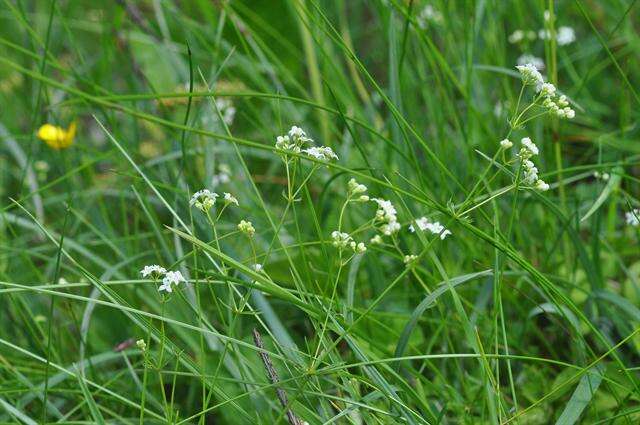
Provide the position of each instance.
(57, 137)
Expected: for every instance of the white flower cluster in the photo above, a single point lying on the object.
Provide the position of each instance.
(530, 171)
(633, 217)
(506, 143)
(428, 14)
(557, 105)
(247, 228)
(564, 35)
(323, 153)
(203, 200)
(154, 271)
(388, 215)
(518, 35)
(293, 141)
(223, 176)
(356, 191)
(296, 139)
(530, 75)
(169, 278)
(434, 227)
(341, 240)
(227, 110)
(230, 199)
(410, 258)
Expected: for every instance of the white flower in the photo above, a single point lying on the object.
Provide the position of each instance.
(516, 36)
(435, 227)
(537, 62)
(171, 278)
(257, 267)
(547, 89)
(227, 110)
(230, 199)
(633, 217)
(358, 248)
(284, 143)
(340, 239)
(528, 148)
(247, 228)
(565, 35)
(541, 185)
(141, 344)
(355, 187)
(530, 74)
(297, 132)
(388, 215)
(410, 258)
(153, 270)
(530, 172)
(376, 240)
(506, 143)
(569, 113)
(203, 199)
(428, 14)
(323, 153)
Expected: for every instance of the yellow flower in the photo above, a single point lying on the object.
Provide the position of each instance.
(57, 137)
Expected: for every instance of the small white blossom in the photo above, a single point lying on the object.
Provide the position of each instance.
(247, 228)
(565, 35)
(388, 215)
(506, 143)
(220, 178)
(323, 153)
(528, 148)
(410, 258)
(230, 199)
(376, 240)
(257, 267)
(227, 110)
(541, 185)
(297, 132)
(341, 239)
(547, 89)
(153, 270)
(358, 248)
(633, 217)
(435, 227)
(516, 36)
(293, 141)
(428, 14)
(171, 278)
(530, 172)
(141, 344)
(355, 187)
(530, 74)
(203, 199)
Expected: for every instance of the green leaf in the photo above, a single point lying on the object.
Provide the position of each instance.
(581, 397)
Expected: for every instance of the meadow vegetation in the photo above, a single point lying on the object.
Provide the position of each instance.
(319, 211)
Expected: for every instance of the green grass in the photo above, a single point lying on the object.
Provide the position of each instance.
(527, 313)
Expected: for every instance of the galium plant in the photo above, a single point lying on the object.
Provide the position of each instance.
(454, 233)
